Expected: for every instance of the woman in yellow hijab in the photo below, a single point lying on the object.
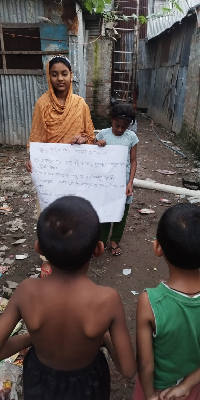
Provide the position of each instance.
(59, 115)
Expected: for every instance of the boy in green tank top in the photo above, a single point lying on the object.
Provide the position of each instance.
(168, 328)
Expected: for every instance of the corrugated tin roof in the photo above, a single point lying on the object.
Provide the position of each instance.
(158, 25)
(21, 11)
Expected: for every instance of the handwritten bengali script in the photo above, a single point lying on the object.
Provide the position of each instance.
(95, 173)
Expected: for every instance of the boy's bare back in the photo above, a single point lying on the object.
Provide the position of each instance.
(66, 317)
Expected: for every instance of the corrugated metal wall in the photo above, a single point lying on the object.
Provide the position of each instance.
(19, 95)
(158, 25)
(19, 92)
(21, 11)
(162, 74)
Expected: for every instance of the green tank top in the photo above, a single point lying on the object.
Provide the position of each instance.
(176, 343)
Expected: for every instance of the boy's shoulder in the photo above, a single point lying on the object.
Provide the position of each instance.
(148, 293)
(108, 292)
(144, 310)
(108, 296)
(28, 286)
(155, 292)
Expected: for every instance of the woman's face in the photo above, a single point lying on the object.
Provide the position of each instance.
(61, 77)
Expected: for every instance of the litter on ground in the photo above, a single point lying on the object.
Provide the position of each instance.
(166, 172)
(146, 211)
(20, 241)
(166, 201)
(8, 261)
(3, 248)
(22, 256)
(127, 271)
(3, 268)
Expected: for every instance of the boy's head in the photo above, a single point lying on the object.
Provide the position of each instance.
(68, 232)
(178, 234)
(121, 115)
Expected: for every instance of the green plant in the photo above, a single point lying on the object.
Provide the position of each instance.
(98, 7)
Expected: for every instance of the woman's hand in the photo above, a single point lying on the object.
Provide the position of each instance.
(101, 143)
(129, 189)
(29, 166)
(78, 140)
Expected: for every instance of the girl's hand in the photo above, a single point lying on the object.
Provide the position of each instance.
(129, 189)
(101, 143)
(29, 166)
(179, 392)
(78, 140)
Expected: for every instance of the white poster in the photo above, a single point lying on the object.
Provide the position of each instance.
(96, 173)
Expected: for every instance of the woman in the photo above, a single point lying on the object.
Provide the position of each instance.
(60, 116)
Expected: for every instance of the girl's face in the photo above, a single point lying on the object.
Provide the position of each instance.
(61, 77)
(119, 126)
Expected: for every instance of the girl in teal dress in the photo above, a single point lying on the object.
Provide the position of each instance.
(122, 115)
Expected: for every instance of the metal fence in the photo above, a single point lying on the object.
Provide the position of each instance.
(162, 74)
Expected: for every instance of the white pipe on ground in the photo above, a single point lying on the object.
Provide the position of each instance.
(165, 188)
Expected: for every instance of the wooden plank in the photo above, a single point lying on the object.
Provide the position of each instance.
(20, 26)
(3, 48)
(124, 29)
(125, 52)
(122, 82)
(22, 72)
(35, 52)
(122, 62)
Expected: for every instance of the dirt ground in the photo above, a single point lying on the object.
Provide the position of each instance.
(137, 252)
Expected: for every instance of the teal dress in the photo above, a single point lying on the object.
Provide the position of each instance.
(129, 139)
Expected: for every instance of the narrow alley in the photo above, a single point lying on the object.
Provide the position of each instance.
(18, 227)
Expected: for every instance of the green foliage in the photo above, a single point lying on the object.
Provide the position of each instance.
(176, 5)
(98, 6)
(125, 18)
(134, 16)
(142, 19)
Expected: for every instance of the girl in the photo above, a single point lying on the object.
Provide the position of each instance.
(122, 115)
(60, 116)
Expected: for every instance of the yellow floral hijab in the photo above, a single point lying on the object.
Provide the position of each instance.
(56, 123)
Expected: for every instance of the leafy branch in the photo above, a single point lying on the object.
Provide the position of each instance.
(98, 7)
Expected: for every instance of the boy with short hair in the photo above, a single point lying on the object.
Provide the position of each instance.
(66, 314)
(168, 328)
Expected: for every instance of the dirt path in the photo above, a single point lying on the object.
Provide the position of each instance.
(140, 230)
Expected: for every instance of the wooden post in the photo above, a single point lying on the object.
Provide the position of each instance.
(135, 54)
(3, 49)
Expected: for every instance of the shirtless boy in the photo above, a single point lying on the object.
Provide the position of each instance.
(67, 315)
